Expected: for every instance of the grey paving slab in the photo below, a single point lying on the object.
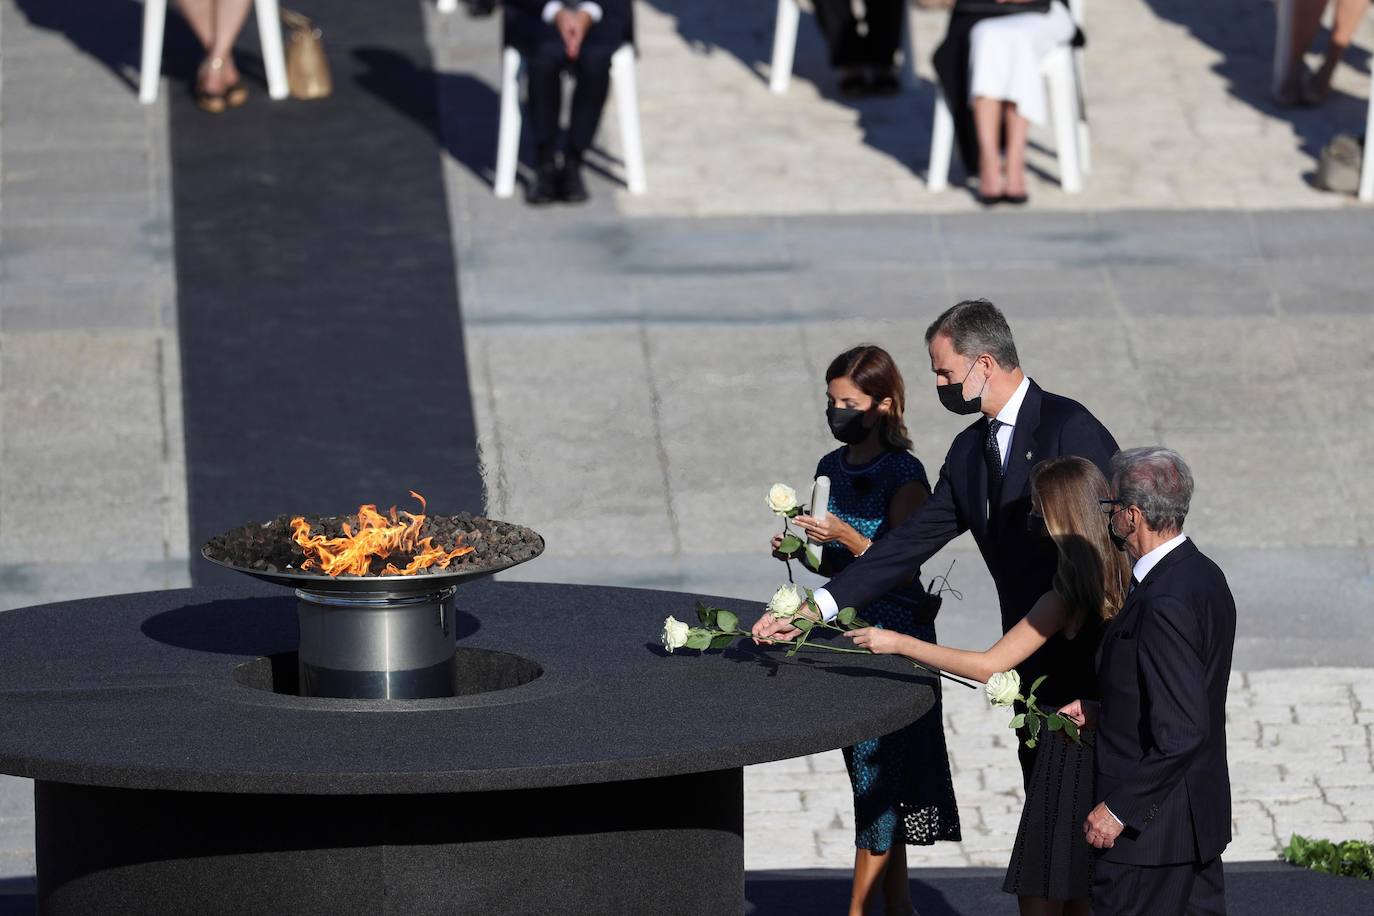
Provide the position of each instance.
(1193, 289)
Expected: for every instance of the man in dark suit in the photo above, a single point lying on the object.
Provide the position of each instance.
(984, 485)
(578, 37)
(1163, 667)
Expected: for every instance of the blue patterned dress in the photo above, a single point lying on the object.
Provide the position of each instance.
(902, 785)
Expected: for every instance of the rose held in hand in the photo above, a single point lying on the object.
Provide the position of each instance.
(1003, 688)
(674, 634)
(786, 602)
(782, 499)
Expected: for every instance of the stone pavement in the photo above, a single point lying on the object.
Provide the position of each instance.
(638, 392)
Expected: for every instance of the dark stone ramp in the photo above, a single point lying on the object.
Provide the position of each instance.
(321, 342)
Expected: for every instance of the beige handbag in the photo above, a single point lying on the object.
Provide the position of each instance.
(307, 70)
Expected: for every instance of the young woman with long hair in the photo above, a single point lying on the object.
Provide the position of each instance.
(1051, 866)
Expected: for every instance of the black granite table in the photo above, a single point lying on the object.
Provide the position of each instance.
(170, 777)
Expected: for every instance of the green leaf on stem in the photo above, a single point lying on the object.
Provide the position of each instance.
(722, 641)
(1018, 720)
(1030, 743)
(707, 615)
(1036, 684)
(803, 623)
(727, 620)
(699, 639)
(1071, 730)
(790, 545)
(846, 616)
(1032, 723)
(811, 556)
(1055, 721)
(793, 512)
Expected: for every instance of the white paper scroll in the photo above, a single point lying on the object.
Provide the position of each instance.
(820, 504)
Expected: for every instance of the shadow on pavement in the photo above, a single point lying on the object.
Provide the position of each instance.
(1242, 32)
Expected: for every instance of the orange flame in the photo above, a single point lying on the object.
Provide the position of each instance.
(378, 536)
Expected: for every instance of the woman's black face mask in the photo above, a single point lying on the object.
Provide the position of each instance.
(847, 424)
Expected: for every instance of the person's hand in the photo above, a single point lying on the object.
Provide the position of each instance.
(1101, 829)
(1082, 713)
(572, 27)
(831, 528)
(768, 629)
(876, 640)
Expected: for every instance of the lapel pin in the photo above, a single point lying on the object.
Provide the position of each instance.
(1028, 456)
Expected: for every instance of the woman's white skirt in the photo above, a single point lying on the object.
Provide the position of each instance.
(1005, 56)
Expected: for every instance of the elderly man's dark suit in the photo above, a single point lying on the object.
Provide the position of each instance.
(1163, 668)
(545, 59)
(1022, 565)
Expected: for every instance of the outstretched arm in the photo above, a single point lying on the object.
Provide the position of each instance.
(1046, 618)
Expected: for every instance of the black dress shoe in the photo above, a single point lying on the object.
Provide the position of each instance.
(885, 82)
(571, 188)
(854, 84)
(544, 189)
(1015, 200)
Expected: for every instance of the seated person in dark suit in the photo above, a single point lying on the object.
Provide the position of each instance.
(578, 37)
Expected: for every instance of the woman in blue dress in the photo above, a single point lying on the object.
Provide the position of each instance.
(903, 794)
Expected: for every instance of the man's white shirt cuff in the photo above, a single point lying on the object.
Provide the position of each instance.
(829, 609)
(550, 10)
(591, 9)
(1113, 814)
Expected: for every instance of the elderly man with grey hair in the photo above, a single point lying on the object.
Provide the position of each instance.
(1164, 815)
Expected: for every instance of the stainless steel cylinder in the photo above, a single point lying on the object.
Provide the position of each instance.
(376, 645)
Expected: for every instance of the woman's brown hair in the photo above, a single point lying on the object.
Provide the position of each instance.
(874, 373)
(1092, 574)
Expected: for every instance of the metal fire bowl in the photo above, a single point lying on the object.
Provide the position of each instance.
(380, 588)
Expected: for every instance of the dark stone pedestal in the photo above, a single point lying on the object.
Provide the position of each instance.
(664, 846)
(579, 769)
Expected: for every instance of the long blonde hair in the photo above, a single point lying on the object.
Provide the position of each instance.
(1092, 574)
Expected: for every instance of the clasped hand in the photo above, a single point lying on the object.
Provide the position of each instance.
(572, 27)
(824, 530)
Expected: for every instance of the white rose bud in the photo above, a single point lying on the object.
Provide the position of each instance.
(782, 499)
(1003, 687)
(674, 634)
(786, 601)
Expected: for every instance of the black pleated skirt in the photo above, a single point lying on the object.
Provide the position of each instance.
(1051, 859)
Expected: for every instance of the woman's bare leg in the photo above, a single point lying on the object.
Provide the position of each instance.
(987, 119)
(1078, 906)
(1039, 906)
(1018, 134)
(868, 871)
(1347, 21)
(200, 16)
(1307, 17)
(897, 884)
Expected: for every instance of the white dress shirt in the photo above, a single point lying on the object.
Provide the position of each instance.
(1150, 560)
(1007, 417)
(553, 6)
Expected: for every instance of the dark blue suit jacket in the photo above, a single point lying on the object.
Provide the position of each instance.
(1022, 565)
(1161, 740)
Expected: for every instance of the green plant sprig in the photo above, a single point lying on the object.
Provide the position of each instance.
(1037, 721)
(1351, 858)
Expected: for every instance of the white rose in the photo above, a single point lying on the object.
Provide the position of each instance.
(1003, 687)
(782, 499)
(674, 634)
(786, 601)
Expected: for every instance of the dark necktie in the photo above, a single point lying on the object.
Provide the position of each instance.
(1132, 587)
(993, 456)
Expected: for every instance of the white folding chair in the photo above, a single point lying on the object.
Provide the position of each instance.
(155, 21)
(1367, 166)
(627, 110)
(1065, 81)
(785, 46)
(447, 6)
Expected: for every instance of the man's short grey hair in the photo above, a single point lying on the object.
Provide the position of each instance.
(1156, 479)
(975, 327)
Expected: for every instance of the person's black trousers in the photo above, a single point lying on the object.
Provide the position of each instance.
(544, 62)
(876, 46)
(1193, 888)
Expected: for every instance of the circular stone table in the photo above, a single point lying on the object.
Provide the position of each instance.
(170, 778)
